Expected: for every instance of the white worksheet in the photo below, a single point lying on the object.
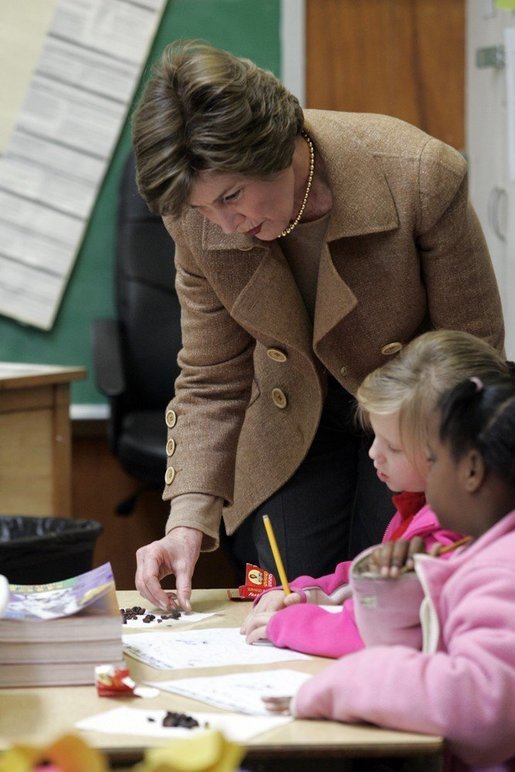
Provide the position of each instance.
(148, 723)
(241, 692)
(213, 647)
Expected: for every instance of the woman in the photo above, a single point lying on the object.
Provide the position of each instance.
(310, 247)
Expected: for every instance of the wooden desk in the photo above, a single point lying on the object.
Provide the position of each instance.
(35, 451)
(39, 715)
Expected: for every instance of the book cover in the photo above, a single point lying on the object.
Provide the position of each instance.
(63, 598)
(56, 633)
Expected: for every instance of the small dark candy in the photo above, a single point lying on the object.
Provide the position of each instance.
(174, 614)
(136, 612)
(179, 719)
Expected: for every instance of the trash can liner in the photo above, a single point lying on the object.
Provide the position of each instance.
(38, 550)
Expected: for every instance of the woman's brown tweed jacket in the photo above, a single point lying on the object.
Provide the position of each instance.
(404, 254)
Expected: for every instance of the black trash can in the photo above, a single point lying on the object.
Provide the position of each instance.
(38, 550)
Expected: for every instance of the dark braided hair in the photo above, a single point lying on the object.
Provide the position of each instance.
(480, 414)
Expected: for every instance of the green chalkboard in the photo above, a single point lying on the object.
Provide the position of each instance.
(245, 27)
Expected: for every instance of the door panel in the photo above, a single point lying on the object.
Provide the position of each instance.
(400, 57)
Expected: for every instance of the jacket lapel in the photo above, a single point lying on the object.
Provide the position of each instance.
(255, 283)
(334, 299)
(254, 278)
(271, 303)
(362, 200)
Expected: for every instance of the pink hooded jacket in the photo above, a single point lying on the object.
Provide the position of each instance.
(462, 684)
(308, 628)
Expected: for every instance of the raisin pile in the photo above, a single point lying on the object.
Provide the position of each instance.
(178, 719)
(137, 611)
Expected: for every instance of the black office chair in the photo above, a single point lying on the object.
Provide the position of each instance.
(135, 355)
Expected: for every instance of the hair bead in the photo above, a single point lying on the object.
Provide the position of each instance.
(477, 382)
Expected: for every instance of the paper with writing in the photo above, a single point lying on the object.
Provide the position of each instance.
(241, 692)
(213, 647)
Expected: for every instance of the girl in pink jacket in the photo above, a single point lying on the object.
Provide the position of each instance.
(394, 401)
(462, 684)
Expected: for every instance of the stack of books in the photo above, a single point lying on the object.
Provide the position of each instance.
(56, 634)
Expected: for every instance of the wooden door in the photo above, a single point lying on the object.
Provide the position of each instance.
(400, 57)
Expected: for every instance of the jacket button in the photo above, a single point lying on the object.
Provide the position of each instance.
(169, 475)
(171, 418)
(170, 447)
(391, 348)
(279, 398)
(343, 370)
(277, 355)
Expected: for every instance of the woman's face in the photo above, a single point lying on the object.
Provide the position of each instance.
(239, 204)
(390, 462)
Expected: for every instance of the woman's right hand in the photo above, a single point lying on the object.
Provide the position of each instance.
(176, 553)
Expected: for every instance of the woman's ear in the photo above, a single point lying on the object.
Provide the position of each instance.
(473, 471)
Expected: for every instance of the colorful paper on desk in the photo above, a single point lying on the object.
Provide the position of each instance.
(148, 723)
(241, 692)
(213, 647)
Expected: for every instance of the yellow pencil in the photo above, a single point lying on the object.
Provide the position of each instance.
(442, 550)
(276, 554)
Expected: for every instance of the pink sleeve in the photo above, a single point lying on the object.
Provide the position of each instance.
(426, 524)
(388, 611)
(464, 694)
(313, 630)
(328, 583)
(443, 537)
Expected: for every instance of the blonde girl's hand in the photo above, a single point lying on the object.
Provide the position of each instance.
(280, 705)
(255, 625)
(256, 629)
(271, 601)
(391, 559)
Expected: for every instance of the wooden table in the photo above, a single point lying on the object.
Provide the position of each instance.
(35, 451)
(38, 715)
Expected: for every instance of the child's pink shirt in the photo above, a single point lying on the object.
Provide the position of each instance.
(308, 628)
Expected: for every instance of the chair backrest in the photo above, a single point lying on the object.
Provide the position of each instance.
(147, 304)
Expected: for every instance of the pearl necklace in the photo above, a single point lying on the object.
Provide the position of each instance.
(296, 221)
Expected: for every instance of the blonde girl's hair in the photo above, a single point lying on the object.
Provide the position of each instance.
(413, 383)
(206, 110)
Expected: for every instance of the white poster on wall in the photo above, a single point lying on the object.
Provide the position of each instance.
(23, 26)
(509, 52)
(59, 150)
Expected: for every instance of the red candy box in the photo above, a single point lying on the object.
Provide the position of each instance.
(113, 680)
(256, 581)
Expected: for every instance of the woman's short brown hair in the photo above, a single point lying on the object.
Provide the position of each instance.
(205, 109)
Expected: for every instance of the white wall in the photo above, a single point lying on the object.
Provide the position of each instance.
(492, 187)
(293, 47)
